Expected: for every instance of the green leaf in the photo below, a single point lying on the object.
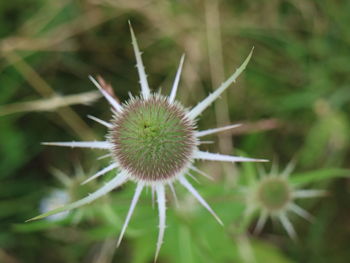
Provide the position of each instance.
(264, 252)
(315, 176)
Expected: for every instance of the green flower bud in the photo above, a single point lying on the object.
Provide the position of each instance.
(152, 139)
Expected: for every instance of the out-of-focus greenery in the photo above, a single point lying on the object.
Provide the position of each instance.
(293, 99)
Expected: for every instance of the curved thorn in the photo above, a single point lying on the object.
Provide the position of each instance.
(101, 172)
(224, 158)
(216, 130)
(172, 189)
(115, 182)
(288, 226)
(131, 210)
(139, 65)
(200, 107)
(102, 122)
(261, 222)
(108, 97)
(199, 198)
(201, 172)
(93, 144)
(177, 80)
(162, 217)
(301, 212)
(310, 193)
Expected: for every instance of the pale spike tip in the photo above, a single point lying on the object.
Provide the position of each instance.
(52, 212)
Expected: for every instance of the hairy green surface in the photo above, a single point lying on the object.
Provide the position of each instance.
(152, 139)
(273, 193)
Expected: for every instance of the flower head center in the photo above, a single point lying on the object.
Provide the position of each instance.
(152, 139)
(274, 193)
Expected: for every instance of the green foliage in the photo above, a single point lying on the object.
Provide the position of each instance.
(293, 100)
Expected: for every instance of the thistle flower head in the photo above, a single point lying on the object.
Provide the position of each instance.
(274, 195)
(153, 141)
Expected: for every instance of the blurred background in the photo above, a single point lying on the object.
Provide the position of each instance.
(293, 102)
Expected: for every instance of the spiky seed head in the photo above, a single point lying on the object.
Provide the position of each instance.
(152, 139)
(274, 193)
